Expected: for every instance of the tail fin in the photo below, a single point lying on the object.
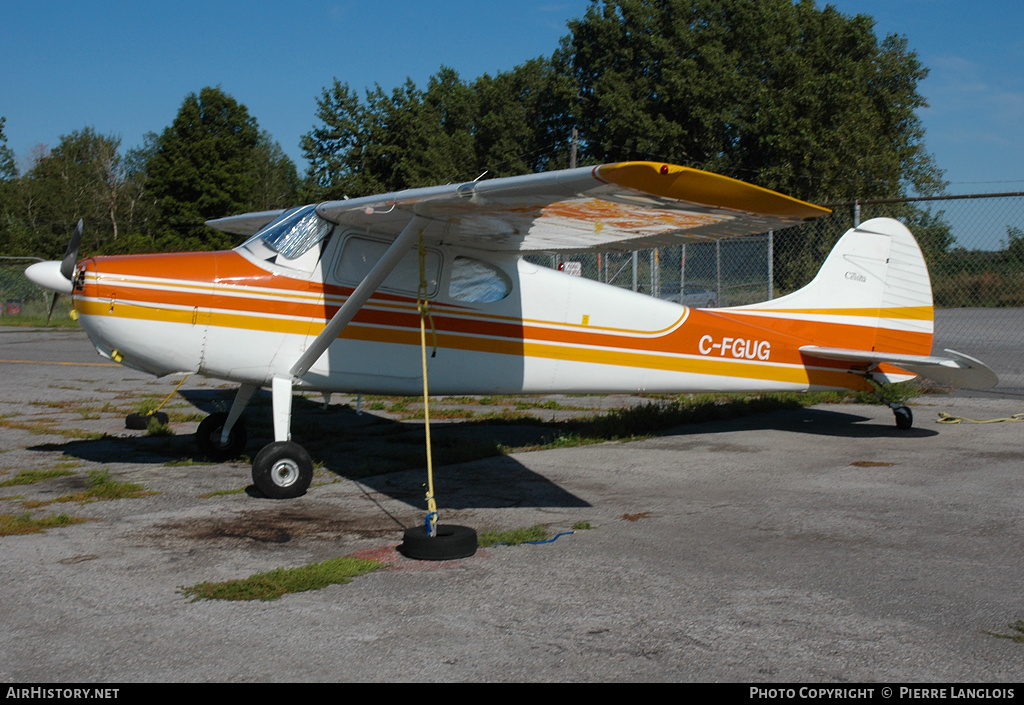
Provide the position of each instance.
(873, 297)
(875, 279)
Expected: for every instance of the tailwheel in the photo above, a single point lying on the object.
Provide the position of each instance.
(904, 417)
(282, 470)
(208, 438)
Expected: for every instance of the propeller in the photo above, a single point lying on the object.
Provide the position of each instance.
(56, 276)
(67, 265)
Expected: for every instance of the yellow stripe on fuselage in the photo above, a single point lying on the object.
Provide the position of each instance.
(917, 313)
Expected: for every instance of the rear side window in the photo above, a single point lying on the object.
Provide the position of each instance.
(477, 282)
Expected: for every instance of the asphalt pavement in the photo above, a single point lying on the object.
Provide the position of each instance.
(811, 545)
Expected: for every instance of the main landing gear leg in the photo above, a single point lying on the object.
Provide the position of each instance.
(283, 469)
(221, 436)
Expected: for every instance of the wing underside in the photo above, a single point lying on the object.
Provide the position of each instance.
(624, 206)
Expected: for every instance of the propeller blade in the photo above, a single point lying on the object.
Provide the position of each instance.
(67, 265)
(53, 305)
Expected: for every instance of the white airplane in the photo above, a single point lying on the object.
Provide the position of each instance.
(325, 298)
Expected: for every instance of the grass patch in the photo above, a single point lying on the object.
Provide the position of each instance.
(274, 584)
(30, 477)
(890, 393)
(221, 493)
(442, 413)
(38, 321)
(644, 420)
(155, 427)
(1017, 637)
(550, 404)
(186, 416)
(100, 487)
(46, 427)
(498, 399)
(17, 524)
(148, 406)
(512, 537)
(582, 526)
(103, 486)
(186, 462)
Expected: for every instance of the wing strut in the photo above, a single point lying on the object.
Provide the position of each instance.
(360, 296)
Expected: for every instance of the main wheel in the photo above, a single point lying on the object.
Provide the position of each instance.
(282, 470)
(904, 417)
(451, 542)
(208, 438)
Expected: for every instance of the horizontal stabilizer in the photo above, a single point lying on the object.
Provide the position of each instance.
(957, 370)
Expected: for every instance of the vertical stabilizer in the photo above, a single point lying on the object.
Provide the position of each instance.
(876, 280)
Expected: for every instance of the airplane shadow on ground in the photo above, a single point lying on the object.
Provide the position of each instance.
(388, 455)
(822, 422)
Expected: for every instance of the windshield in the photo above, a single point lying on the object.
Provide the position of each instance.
(294, 232)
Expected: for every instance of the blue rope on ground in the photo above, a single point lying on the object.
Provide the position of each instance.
(553, 538)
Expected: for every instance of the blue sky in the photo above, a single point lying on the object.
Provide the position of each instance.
(125, 67)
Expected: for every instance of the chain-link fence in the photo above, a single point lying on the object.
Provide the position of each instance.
(21, 301)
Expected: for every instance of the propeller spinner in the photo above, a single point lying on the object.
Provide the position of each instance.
(57, 276)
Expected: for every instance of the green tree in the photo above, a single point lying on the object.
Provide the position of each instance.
(1014, 244)
(10, 226)
(785, 95)
(8, 169)
(336, 150)
(523, 121)
(451, 132)
(213, 161)
(390, 141)
(277, 180)
(81, 177)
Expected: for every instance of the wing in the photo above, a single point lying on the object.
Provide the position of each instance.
(247, 224)
(624, 206)
(957, 370)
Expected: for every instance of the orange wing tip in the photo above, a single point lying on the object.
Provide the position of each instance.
(682, 183)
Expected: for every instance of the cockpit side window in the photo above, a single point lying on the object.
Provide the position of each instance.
(360, 254)
(294, 233)
(477, 282)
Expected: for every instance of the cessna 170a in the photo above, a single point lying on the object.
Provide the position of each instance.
(325, 298)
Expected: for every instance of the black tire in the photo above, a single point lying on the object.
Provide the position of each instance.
(904, 417)
(208, 438)
(140, 422)
(450, 543)
(282, 470)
